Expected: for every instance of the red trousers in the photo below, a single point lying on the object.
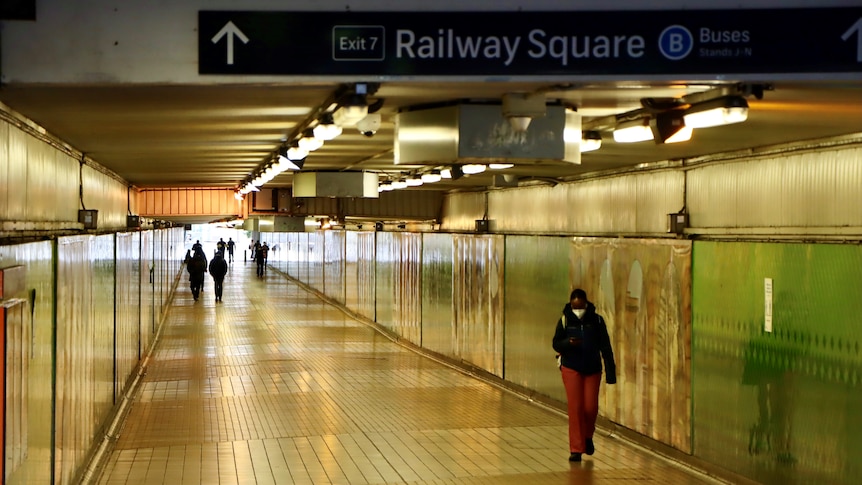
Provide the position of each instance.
(582, 394)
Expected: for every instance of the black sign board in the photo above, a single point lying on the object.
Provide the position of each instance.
(601, 44)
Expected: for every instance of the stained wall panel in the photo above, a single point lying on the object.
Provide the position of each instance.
(33, 441)
(538, 282)
(334, 264)
(477, 297)
(128, 307)
(438, 320)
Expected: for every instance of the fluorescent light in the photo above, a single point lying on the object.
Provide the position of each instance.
(446, 173)
(431, 177)
(500, 166)
(590, 141)
(414, 181)
(633, 131)
(399, 184)
(670, 127)
(326, 129)
(386, 187)
(327, 132)
(473, 168)
(719, 111)
(296, 153)
(309, 142)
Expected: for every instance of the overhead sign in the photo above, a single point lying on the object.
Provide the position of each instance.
(702, 42)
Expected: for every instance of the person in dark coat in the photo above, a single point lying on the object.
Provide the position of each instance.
(218, 269)
(581, 338)
(197, 268)
(260, 259)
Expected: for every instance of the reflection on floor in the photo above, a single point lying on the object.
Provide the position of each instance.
(273, 385)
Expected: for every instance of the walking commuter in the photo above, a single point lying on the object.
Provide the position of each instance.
(230, 247)
(221, 245)
(197, 268)
(260, 259)
(218, 270)
(582, 341)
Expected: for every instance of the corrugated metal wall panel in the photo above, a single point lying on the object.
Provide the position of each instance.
(477, 296)
(17, 207)
(460, 211)
(5, 184)
(438, 320)
(796, 190)
(37, 258)
(627, 204)
(366, 272)
(334, 265)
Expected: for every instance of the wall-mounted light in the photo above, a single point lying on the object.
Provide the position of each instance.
(670, 127)
(715, 112)
(590, 141)
(633, 131)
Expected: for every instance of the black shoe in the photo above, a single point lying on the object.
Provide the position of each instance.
(575, 457)
(590, 447)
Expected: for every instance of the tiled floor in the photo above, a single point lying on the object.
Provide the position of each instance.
(275, 386)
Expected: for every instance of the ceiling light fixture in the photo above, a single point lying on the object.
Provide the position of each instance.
(446, 173)
(309, 142)
(295, 153)
(670, 127)
(500, 166)
(326, 128)
(473, 168)
(353, 108)
(414, 181)
(719, 111)
(399, 184)
(633, 131)
(590, 141)
(432, 176)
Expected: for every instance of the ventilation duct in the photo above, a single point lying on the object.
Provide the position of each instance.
(335, 184)
(479, 133)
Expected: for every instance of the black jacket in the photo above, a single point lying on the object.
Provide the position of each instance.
(218, 267)
(592, 343)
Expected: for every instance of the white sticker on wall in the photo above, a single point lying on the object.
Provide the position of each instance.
(767, 304)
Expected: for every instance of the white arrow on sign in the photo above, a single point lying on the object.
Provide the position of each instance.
(230, 30)
(857, 29)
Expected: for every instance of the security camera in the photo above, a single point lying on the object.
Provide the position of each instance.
(369, 125)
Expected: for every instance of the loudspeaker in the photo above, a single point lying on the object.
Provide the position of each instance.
(483, 225)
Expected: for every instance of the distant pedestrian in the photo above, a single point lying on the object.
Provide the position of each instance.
(197, 268)
(260, 260)
(218, 270)
(230, 247)
(221, 245)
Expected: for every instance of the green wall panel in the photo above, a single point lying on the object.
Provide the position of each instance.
(784, 406)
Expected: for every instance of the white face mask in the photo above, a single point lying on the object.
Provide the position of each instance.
(579, 312)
